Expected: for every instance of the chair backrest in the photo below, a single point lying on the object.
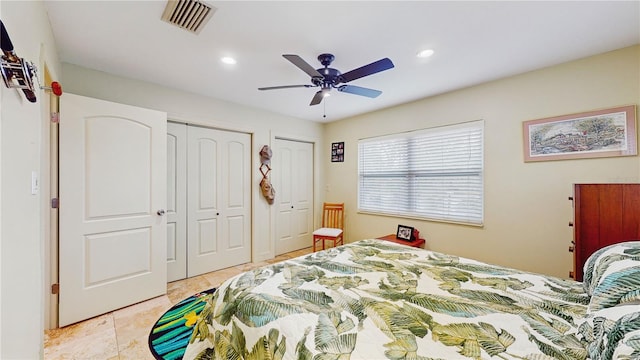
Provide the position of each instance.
(333, 215)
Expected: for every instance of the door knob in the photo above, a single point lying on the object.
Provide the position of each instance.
(160, 212)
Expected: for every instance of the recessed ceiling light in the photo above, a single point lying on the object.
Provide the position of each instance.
(425, 53)
(228, 60)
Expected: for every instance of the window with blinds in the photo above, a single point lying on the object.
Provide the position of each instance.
(434, 174)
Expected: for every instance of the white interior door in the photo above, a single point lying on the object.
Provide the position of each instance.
(293, 180)
(219, 203)
(176, 201)
(112, 185)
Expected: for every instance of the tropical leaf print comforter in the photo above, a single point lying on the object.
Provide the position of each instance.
(378, 300)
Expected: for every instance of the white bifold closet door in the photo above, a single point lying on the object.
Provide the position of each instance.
(292, 177)
(217, 198)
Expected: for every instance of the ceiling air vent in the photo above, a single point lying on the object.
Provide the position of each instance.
(190, 15)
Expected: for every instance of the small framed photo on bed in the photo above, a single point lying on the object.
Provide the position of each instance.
(404, 232)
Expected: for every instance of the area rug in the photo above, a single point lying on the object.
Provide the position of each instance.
(170, 334)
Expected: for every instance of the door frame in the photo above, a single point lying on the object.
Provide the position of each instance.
(49, 180)
(315, 190)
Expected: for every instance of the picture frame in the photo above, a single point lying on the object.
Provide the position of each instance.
(337, 151)
(404, 233)
(592, 134)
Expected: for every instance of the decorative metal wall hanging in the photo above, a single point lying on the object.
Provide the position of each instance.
(267, 189)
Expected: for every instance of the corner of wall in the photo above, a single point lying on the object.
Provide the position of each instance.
(22, 149)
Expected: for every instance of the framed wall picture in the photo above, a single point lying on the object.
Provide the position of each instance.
(591, 134)
(404, 232)
(337, 152)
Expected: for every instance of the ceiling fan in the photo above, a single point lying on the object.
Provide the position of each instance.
(329, 78)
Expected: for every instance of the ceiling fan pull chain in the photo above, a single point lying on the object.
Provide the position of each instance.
(324, 111)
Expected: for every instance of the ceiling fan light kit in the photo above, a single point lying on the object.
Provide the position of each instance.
(425, 53)
(327, 78)
(228, 60)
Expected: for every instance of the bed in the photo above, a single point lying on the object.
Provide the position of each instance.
(374, 299)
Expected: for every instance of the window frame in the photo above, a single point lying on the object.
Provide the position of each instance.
(473, 175)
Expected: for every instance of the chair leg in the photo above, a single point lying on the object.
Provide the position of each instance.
(320, 242)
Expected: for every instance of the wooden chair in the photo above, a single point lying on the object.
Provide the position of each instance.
(332, 226)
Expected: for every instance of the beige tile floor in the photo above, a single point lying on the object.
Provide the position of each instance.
(122, 334)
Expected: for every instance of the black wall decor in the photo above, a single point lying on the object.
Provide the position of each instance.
(337, 152)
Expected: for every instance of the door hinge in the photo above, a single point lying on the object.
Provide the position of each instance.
(55, 289)
(55, 203)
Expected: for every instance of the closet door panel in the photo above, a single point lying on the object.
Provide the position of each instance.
(219, 206)
(236, 198)
(202, 200)
(237, 232)
(176, 201)
(293, 181)
(236, 165)
(207, 231)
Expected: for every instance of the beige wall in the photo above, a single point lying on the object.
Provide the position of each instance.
(527, 210)
(24, 132)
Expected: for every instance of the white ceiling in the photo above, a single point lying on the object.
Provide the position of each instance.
(474, 42)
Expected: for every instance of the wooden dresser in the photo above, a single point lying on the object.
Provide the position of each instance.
(604, 214)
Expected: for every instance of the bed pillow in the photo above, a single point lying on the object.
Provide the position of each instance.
(620, 284)
(612, 333)
(597, 264)
(629, 347)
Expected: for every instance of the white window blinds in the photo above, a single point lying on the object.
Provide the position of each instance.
(432, 173)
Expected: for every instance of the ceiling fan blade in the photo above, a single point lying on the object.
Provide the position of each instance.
(374, 67)
(302, 65)
(357, 90)
(284, 87)
(317, 98)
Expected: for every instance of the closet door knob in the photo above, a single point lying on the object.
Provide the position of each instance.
(160, 212)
